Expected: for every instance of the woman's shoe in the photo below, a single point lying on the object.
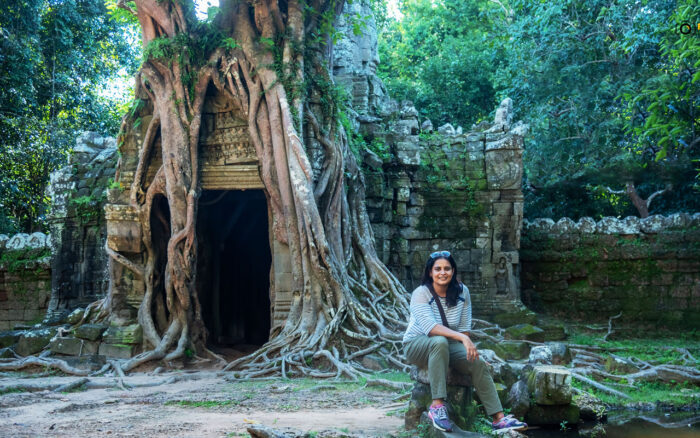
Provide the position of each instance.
(508, 423)
(440, 419)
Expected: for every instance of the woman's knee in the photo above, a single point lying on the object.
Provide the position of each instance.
(439, 344)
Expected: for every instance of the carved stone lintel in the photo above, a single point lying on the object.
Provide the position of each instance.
(123, 228)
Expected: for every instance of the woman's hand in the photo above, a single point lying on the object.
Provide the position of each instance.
(472, 353)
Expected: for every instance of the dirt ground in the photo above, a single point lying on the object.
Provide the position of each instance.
(201, 404)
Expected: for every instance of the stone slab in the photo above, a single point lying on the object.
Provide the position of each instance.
(119, 351)
(73, 346)
(90, 332)
(550, 385)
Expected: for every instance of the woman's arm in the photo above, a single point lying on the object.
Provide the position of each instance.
(441, 330)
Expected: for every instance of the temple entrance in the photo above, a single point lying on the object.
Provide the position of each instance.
(233, 267)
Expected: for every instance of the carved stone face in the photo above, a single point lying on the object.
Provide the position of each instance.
(441, 273)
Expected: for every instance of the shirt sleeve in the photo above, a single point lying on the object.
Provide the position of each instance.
(421, 311)
(465, 323)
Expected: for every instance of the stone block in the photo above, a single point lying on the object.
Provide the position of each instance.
(540, 354)
(119, 351)
(526, 332)
(550, 385)
(518, 399)
(31, 342)
(560, 353)
(73, 346)
(6, 353)
(91, 362)
(130, 334)
(9, 338)
(508, 350)
(522, 316)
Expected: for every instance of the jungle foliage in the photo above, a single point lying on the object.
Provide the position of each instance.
(56, 59)
(610, 91)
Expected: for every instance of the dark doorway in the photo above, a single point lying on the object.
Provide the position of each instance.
(233, 267)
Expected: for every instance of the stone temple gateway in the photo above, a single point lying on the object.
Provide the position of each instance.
(243, 275)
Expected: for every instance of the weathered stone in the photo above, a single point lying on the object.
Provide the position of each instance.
(446, 129)
(31, 342)
(540, 354)
(73, 346)
(119, 351)
(75, 316)
(427, 126)
(550, 385)
(6, 353)
(130, 334)
(508, 350)
(9, 338)
(503, 372)
(553, 330)
(91, 332)
(374, 362)
(518, 399)
(590, 407)
(544, 415)
(526, 332)
(454, 378)
(560, 353)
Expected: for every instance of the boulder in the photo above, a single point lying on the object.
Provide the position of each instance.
(31, 342)
(90, 332)
(518, 399)
(9, 338)
(504, 373)
(6, 353)
(540, 354)
(526, 332)
(427, 126)
(508, 350)
(560, 353)
(446, 129)
(522, 316)
(90, 362)
(75, 316)
(590, 407)
(374, 362)
(550, 385)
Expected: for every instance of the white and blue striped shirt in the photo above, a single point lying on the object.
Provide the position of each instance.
(425, 314)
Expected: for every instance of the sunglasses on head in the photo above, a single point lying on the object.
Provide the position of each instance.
(440, 254)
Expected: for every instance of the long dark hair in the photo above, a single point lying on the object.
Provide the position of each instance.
(454, 288)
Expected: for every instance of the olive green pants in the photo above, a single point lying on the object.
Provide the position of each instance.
(437, 353)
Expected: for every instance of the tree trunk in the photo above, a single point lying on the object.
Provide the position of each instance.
(344, 298)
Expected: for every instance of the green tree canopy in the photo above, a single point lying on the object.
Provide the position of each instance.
(56, 59)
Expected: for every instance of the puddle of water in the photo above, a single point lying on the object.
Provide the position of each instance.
(633, 425)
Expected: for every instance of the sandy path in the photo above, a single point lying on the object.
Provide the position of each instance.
(175, 410)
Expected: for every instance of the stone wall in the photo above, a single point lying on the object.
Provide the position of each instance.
(77, 223)
(25, 279)
(648, 269)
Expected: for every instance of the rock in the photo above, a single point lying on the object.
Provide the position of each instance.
(129, 334)
(560, 353)
(540, 354)
(73, 346)
(512, 434)
(420, 398)
(503, 372)
(31, 342)
(543, 415)
(120, 351)
(460, 404)
(36, 240)
(553, 330)
(595, 431)
(91, 332)
(9, 338)
(508, 350)
(372, 160)
(374, 362)
(427, 126)
(6, 353)
(75, 316)
(453, 378)
(586, 225)
(526, 332)
(590, 407)
(550, 385)
(522, 316)
(446, 129)
(518, 399)
(432, 432)
(86, 362)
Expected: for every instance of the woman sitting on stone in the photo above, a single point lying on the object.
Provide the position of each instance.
(430, 342)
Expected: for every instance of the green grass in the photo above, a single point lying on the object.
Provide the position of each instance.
(658, 350)
(676, 394)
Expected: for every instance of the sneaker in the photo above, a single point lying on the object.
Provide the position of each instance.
(439, 416)
(509, 423)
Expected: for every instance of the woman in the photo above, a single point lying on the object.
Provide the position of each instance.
(428, 342)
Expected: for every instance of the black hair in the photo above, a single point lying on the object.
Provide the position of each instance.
(454, 289)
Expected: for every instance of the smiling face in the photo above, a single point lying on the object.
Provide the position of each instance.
(441, 273)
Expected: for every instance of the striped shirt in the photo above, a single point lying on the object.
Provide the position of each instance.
(425, 314)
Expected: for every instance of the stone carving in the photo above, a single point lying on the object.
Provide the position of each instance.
(612, 225)
(502, 277)
(36, 240)
(123, 228)
(225, 140)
